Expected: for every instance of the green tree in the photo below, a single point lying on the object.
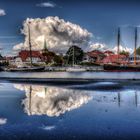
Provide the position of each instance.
(138, 51)
(124, 53)
(1, 56)
(58, 60)
(74, 55)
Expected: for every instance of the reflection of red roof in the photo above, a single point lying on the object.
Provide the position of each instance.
(24, 54)
(114, 58)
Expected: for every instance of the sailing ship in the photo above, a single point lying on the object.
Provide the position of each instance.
(75, 68)
(30, 68)
(119, 66)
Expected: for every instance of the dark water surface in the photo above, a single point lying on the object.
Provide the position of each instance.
(99, 110)
(83, 75)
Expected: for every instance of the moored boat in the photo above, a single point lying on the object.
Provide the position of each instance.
(75, 69)
(27, 69)
(119, 66)
(31, 67)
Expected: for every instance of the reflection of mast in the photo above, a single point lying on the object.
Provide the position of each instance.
(119, 99)
(30, 45)
(45, 91)
(118, 43)
(135, 45)
(136, 99)
(30, 99)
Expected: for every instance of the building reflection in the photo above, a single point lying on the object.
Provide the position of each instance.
(51, 101)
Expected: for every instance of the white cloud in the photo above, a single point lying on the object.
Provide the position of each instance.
(2, 12)
(97, 46)
(47, 4)
(103, 47)
(18, 47)
(58, 33)
(122, 48)
(52, 101)
(3, 121)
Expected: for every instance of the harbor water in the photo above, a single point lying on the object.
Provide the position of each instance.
(66, 75)
(99, 110)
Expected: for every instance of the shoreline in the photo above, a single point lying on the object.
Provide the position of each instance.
(69, 77)
(62, 80)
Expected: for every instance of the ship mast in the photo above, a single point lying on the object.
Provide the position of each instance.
(135, 45)
(73, 63)
(45, 46)
(118, 43)
(30, 45)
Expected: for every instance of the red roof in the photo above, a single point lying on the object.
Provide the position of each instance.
(24, 54)
(95, 53)
(114, 58)
(108, 52)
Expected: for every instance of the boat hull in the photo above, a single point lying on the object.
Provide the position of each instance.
(1, 69)
(73, 69)
(32, 69)
(119, 68)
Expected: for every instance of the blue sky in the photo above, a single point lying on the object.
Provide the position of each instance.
(99, 17)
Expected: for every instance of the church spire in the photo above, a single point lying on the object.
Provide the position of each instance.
(45, 46)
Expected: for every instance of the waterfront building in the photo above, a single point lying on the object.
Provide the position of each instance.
(93, 56)
(25, 56)
(123, 59)
(132, 58)
(108, 53)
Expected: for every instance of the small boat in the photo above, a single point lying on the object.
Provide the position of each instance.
(30, 68)
(1, 68)
(123, 68)
(75, 69)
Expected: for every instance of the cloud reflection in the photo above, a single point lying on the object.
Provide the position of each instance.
(51, 101)
(3, 121)
(48, 128)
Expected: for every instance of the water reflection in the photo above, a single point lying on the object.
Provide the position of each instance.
(54, 101)
(51, 101)
(107, 114)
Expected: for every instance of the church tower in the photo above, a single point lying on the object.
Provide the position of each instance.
(45, 50)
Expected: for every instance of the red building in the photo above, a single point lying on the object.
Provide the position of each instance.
(25, 55)
(123, 59)
(94, 56)
(108, 53)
